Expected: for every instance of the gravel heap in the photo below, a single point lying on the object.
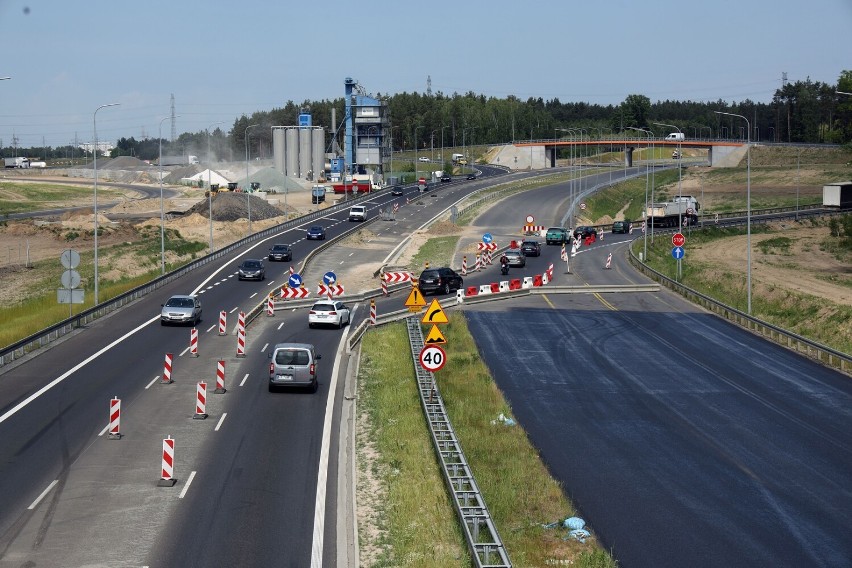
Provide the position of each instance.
(272, 180)
(178, 173)
(120, 163)
(231, 206)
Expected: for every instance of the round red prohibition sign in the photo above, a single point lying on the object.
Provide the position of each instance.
(432, 358)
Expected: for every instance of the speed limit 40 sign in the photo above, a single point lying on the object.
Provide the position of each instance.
(432, 358)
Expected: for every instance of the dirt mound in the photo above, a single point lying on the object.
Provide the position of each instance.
(230, 206)
(124, 163)
(180, 173)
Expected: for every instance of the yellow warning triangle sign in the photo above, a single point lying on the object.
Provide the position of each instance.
(435, 336)
(415, 299)
(434, 314)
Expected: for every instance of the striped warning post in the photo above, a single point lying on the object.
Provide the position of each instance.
(464, 265)
(200, 401)
(223, 322)
(372, 312)
(477, 266)
(115, 418)
(167, 370)
(167, 476)
(193, 342)
(220, 378)
(270, 306)
(384, 287)
(608, 261)
(292, 270)
(241, 335)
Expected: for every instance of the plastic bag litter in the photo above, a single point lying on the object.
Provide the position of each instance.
(504, 419)
(574, 523)
(578, 534)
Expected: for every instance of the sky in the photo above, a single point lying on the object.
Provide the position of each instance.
(222, 60)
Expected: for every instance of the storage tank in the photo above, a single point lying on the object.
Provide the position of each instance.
(278, 149)
(291, 161)
(318, 153)
(304, 151)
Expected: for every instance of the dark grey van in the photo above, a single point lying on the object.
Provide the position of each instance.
(293, 365)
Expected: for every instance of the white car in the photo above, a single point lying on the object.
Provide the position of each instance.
(329, 312)
(423, 159)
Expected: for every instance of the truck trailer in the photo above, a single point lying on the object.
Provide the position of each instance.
(837, 195)
(17, 162)
(684, 209)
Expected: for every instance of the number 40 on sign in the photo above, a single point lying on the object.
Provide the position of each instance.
(432, 358)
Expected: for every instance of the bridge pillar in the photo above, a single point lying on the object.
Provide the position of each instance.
(550, 156)
(628, 156)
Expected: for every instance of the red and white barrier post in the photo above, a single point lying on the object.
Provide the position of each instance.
(115, 418)
(608, 261)
(220, 378)
(166, 477)
(384, 286)
(200, 401)
(372, 312)
(241, 335)
(464, 265)
(223, 322)
(193, 342)
(167, 370)
(270, 306)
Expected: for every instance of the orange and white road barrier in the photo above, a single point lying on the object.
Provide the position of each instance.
(223, 322)
(167, 476)
(115, 418)
(200, 401)
(241, 335)
(372, 312)
(220, 378)
(193, 342)
(167, 370)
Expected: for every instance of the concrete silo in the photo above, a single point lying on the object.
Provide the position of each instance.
(318, 151)
(278, 148)
(291, 160)
(304, 151)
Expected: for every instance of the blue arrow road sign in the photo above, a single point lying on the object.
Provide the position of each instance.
(487, 238)
(294, 281)
(329, 278)
(677, 253)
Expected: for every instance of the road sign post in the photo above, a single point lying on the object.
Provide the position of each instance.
(432, 358)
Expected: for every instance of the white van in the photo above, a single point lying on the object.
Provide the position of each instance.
(357, 213)
(675, 136)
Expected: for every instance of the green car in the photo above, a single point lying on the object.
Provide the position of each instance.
(556, 236)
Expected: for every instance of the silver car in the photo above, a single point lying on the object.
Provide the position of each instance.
(181, 309)
(292, 365)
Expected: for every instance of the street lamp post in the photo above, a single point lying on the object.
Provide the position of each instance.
(645, 213)
(416, 157)
(679, 170)
(162, 206)
(748, 205)
(209, 187)
(246, 189)
(95, 154)
(442, 143)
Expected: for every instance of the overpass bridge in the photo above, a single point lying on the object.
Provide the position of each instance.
(542, 153)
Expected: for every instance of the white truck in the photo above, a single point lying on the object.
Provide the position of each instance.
(457, 157)
(683, 209)
(17, 162)
(178, 160)
(837, 195)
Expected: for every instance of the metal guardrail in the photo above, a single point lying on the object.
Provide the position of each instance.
(481, 535)
(825, 355)
(48, 335)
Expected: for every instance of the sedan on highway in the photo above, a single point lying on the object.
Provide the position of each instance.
(251, 269)
(181, 309)
(329, 312)
(396, 190)
(515, 258)
(316, 232)
(531, 248)
(280, 252)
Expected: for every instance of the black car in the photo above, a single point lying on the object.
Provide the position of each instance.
(471, 176)
(531, 248)
(280, 252)
(396, 190)
(446, 179)
(251, 269)
(621, 227)
(583, 232)
(316, 232)
(441, 280)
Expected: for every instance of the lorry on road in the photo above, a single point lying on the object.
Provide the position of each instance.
(837, 195)
(682, 209)
(178, 160)
(457, 157)
(17, 162)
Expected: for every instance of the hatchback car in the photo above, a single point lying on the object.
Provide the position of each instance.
(423, 159)
(446, 179)
(583, 232)
(621, 226)
(396, 190)
(251, 269)
(181, 309)
(316, 232)
(531, 248)
(293, 365)
(280, 252)
(515, 258)
(471, 176)
(329, 312)
(441, 280)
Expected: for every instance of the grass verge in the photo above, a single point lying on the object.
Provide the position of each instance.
(412, 521)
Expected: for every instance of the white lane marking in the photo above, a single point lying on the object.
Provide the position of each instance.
(235, 309)
(35, 503)
(157, 378)
(186, 487)
(280, 325)
(253, 295)
(219, 424)
(216, 283)
(185, 350)
(244, 380)
(211, 328)
(264, 347)
(322, 476)
(351, 253)
(271, 283)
